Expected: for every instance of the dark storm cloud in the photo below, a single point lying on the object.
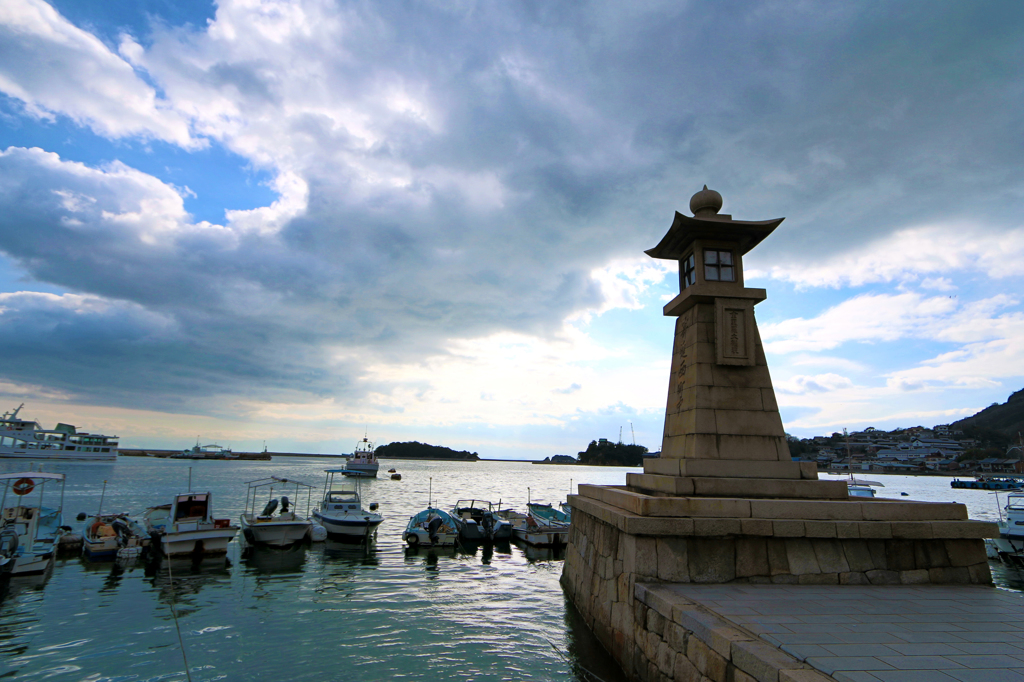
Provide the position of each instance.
(554, 139)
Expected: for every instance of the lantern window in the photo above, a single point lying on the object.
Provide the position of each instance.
(718, 266)
(688, 275)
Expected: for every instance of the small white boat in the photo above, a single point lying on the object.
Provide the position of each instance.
(106, 535)
(858, 487)
(36, 527)
(363, 462)
(186, 527)
(479, 522)
(542, 526)
(341, 512)
(284, 529)
(1009, 546)
(431, 527)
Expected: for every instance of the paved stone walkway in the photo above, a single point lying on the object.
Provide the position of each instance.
(902, 633)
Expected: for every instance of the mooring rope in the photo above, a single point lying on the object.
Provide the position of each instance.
(571, 663)
(177, 627)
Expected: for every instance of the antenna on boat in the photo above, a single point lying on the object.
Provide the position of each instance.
(430, 490)
(102, 493)
(570, 486)
(527, 496)
(190, 479)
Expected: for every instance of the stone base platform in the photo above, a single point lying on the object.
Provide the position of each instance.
(813, 634)
(621, 537)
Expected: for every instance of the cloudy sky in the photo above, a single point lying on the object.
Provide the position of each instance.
(292, 221)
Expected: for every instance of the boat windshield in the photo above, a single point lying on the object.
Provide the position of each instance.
(473, 504)
(1015, 502)
(342, 496)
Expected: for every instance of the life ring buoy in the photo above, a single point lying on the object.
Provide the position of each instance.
(23, 486)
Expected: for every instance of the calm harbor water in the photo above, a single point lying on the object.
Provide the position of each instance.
(329, 612)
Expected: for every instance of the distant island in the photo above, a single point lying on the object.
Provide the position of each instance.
(558, 459)
(417, 450)
(603, 452)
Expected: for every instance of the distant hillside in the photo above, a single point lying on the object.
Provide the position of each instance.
(1006, 419)
(416, 450)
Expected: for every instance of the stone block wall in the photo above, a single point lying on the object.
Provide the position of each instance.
(604, 564)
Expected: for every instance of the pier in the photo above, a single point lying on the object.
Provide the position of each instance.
(815, 633)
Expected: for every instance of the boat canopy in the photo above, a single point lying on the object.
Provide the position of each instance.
(33, 474)
(426, 514)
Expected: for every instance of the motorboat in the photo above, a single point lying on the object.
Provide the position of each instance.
(112, 536)
(478, 522)
(548, 513)
(858, 487)
(37, 528)
(286, 527)
(186, 527)
(341, 512)
(25, 439)
(431, 527)
(363, 462)
(542, 526)
(1009, 546)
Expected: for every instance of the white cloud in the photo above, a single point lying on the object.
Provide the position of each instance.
(818, 383)
(53, 67)
(933, 253)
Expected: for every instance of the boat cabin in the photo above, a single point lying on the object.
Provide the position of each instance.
(341, 499)
(191, 507)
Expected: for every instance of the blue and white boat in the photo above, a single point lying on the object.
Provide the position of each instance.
(341, 511)
(431, 527)
(38, 528)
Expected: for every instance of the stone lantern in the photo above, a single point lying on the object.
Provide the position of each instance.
(725, 502)
(722, 420)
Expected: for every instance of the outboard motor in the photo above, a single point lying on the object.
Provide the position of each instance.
(120, 527)
(271, 506)
(488, 524)
(8, 542)
(432, 528)
(284, 504)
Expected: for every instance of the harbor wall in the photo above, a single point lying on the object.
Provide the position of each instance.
(604, 565)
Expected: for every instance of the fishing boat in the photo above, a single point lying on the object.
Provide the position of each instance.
(186, 527)
(113, 536)
(542, 526)
(211, 451)
(431, 527)
(37, 528)
(363, 462)
(287, 527)
(478, 522)
(341, 512)
(25, 439)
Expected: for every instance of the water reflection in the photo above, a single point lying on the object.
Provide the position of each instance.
(534, 554)
(275, 560)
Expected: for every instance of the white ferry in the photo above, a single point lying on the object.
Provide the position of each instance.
(25, 439)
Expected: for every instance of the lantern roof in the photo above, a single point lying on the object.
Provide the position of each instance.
(707, 223)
